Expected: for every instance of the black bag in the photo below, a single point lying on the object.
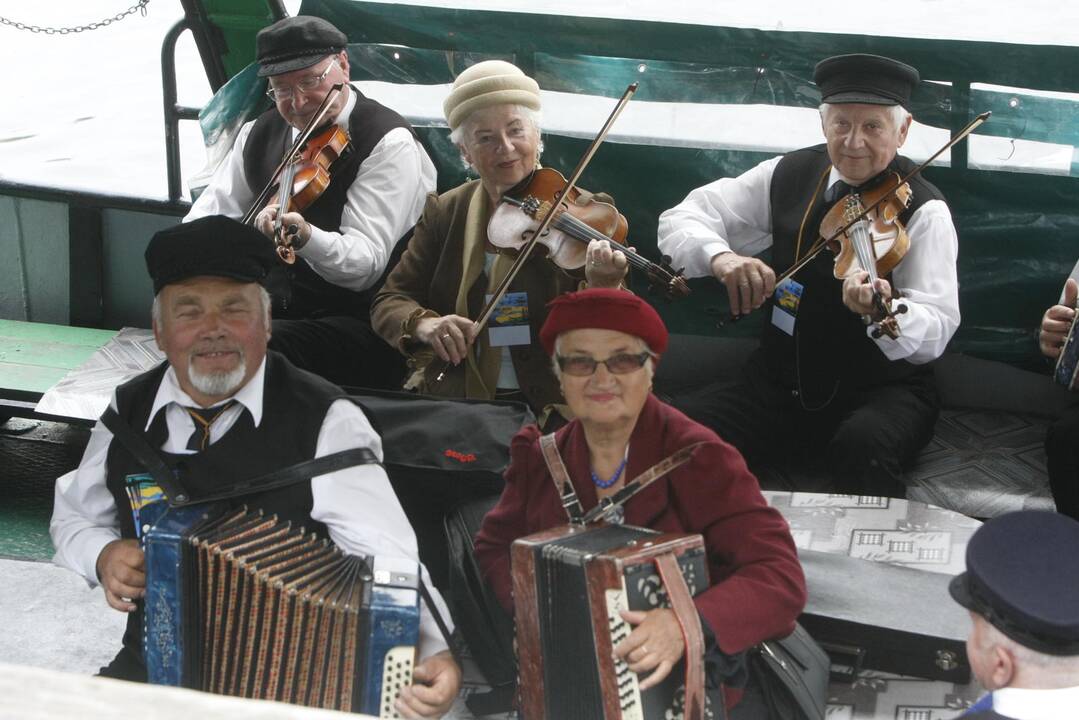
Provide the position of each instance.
(440, 453)
(485, 626)
(793, 676)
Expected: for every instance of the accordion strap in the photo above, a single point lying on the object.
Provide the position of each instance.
(690, 622)
(178, 496)
(570, 503)
(608, 504)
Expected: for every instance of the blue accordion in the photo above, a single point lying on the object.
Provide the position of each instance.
(241, 604)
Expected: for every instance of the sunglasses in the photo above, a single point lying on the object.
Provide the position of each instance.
(620, 364)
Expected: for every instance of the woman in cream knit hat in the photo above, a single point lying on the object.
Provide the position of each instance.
(427, 305)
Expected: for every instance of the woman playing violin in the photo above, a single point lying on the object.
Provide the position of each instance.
(822, 389)
(429, 302)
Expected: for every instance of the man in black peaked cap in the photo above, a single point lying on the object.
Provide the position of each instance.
(821, 390)
(224, 411)
(347, 239)
(1021, 587)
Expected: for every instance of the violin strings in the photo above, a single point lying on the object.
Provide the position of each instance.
(570, 224)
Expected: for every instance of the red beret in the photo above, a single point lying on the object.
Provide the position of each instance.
(604, 309)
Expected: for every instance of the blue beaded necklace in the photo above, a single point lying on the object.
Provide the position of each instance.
(601, 483)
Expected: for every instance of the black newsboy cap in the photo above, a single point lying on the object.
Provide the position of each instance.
(1023, 577)
(296, 43)
(213, 245)
(869, 79)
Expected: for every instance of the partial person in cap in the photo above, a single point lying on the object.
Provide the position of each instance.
(603, 346)
(821, 393)
(229, 410)
(353, 233)
(1021, 587)
(427, 306)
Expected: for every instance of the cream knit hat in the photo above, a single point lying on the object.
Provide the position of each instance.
(489, 83)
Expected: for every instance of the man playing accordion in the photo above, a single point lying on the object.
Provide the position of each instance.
(223, 401)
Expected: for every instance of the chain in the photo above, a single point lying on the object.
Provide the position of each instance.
(140, 6)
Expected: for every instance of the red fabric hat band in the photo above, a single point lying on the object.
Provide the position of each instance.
(604, 309)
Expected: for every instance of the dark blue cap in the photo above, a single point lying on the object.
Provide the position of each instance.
(1023, 577)
(868, 79)
(218, 246)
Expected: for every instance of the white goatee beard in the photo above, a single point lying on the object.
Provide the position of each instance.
(217, 384)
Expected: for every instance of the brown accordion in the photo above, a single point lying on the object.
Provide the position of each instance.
(241, 604)
(570, 584)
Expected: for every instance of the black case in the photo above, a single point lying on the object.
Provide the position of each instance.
(879, 616)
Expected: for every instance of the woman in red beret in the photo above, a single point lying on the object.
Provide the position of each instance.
(604, 345)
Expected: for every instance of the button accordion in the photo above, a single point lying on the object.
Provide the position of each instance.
(238, 603)
(570, 584)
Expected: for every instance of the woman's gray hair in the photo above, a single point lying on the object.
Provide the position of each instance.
(266, 305)
(649, 364)
(464, 130)
(899, 113)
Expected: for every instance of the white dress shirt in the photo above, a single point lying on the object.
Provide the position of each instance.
(357, 505)
(1027, 704)
(735, 215)
(383, 202)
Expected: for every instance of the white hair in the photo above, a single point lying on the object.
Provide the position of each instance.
(265, 305)
(898, 112)
(1052, 670)
(649, 364)
(460, 136)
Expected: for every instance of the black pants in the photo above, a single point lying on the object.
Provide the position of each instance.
(859, 443)
(125, 666)
(344, 350)
(1062, 455)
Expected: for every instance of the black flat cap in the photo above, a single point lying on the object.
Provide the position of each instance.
(218, 246)
(1023, 577)
(296, 43)
(869, 79)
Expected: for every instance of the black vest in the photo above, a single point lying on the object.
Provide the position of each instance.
(270, 139)
(830, 353)
(294, 405)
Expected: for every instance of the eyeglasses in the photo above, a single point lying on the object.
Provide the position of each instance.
(285, 92)
(620, 364)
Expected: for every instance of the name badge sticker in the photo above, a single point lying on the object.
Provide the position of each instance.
(509, 322)
(147, 501)
(787, 298)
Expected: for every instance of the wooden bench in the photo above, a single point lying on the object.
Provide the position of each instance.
(34, 357)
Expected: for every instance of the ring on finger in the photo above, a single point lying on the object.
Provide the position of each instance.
(446, 335)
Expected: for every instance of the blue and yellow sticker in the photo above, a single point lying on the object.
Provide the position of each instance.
(148, 501)
(787, 298)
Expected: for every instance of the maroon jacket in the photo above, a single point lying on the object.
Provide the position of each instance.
(757, 589)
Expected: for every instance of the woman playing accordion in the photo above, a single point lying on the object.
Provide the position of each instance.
(604, 345)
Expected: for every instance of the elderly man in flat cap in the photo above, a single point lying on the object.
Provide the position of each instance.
(821, 390)
(346, 240)
(1021, 587)
(223, 409)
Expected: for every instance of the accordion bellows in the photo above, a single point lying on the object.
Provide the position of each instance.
(570, 584)
(241, 604)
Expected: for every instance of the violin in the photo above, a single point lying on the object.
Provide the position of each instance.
(578, 220)
(855, 213)
(303, 175)
(873, 240)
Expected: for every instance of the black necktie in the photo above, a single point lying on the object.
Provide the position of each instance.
(204, 418)
(838, 190)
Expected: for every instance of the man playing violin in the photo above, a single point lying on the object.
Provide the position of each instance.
(346, 239)
(821, 389)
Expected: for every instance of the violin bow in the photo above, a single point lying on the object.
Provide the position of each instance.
(978, 120)
(303, 137)
(522, 256)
